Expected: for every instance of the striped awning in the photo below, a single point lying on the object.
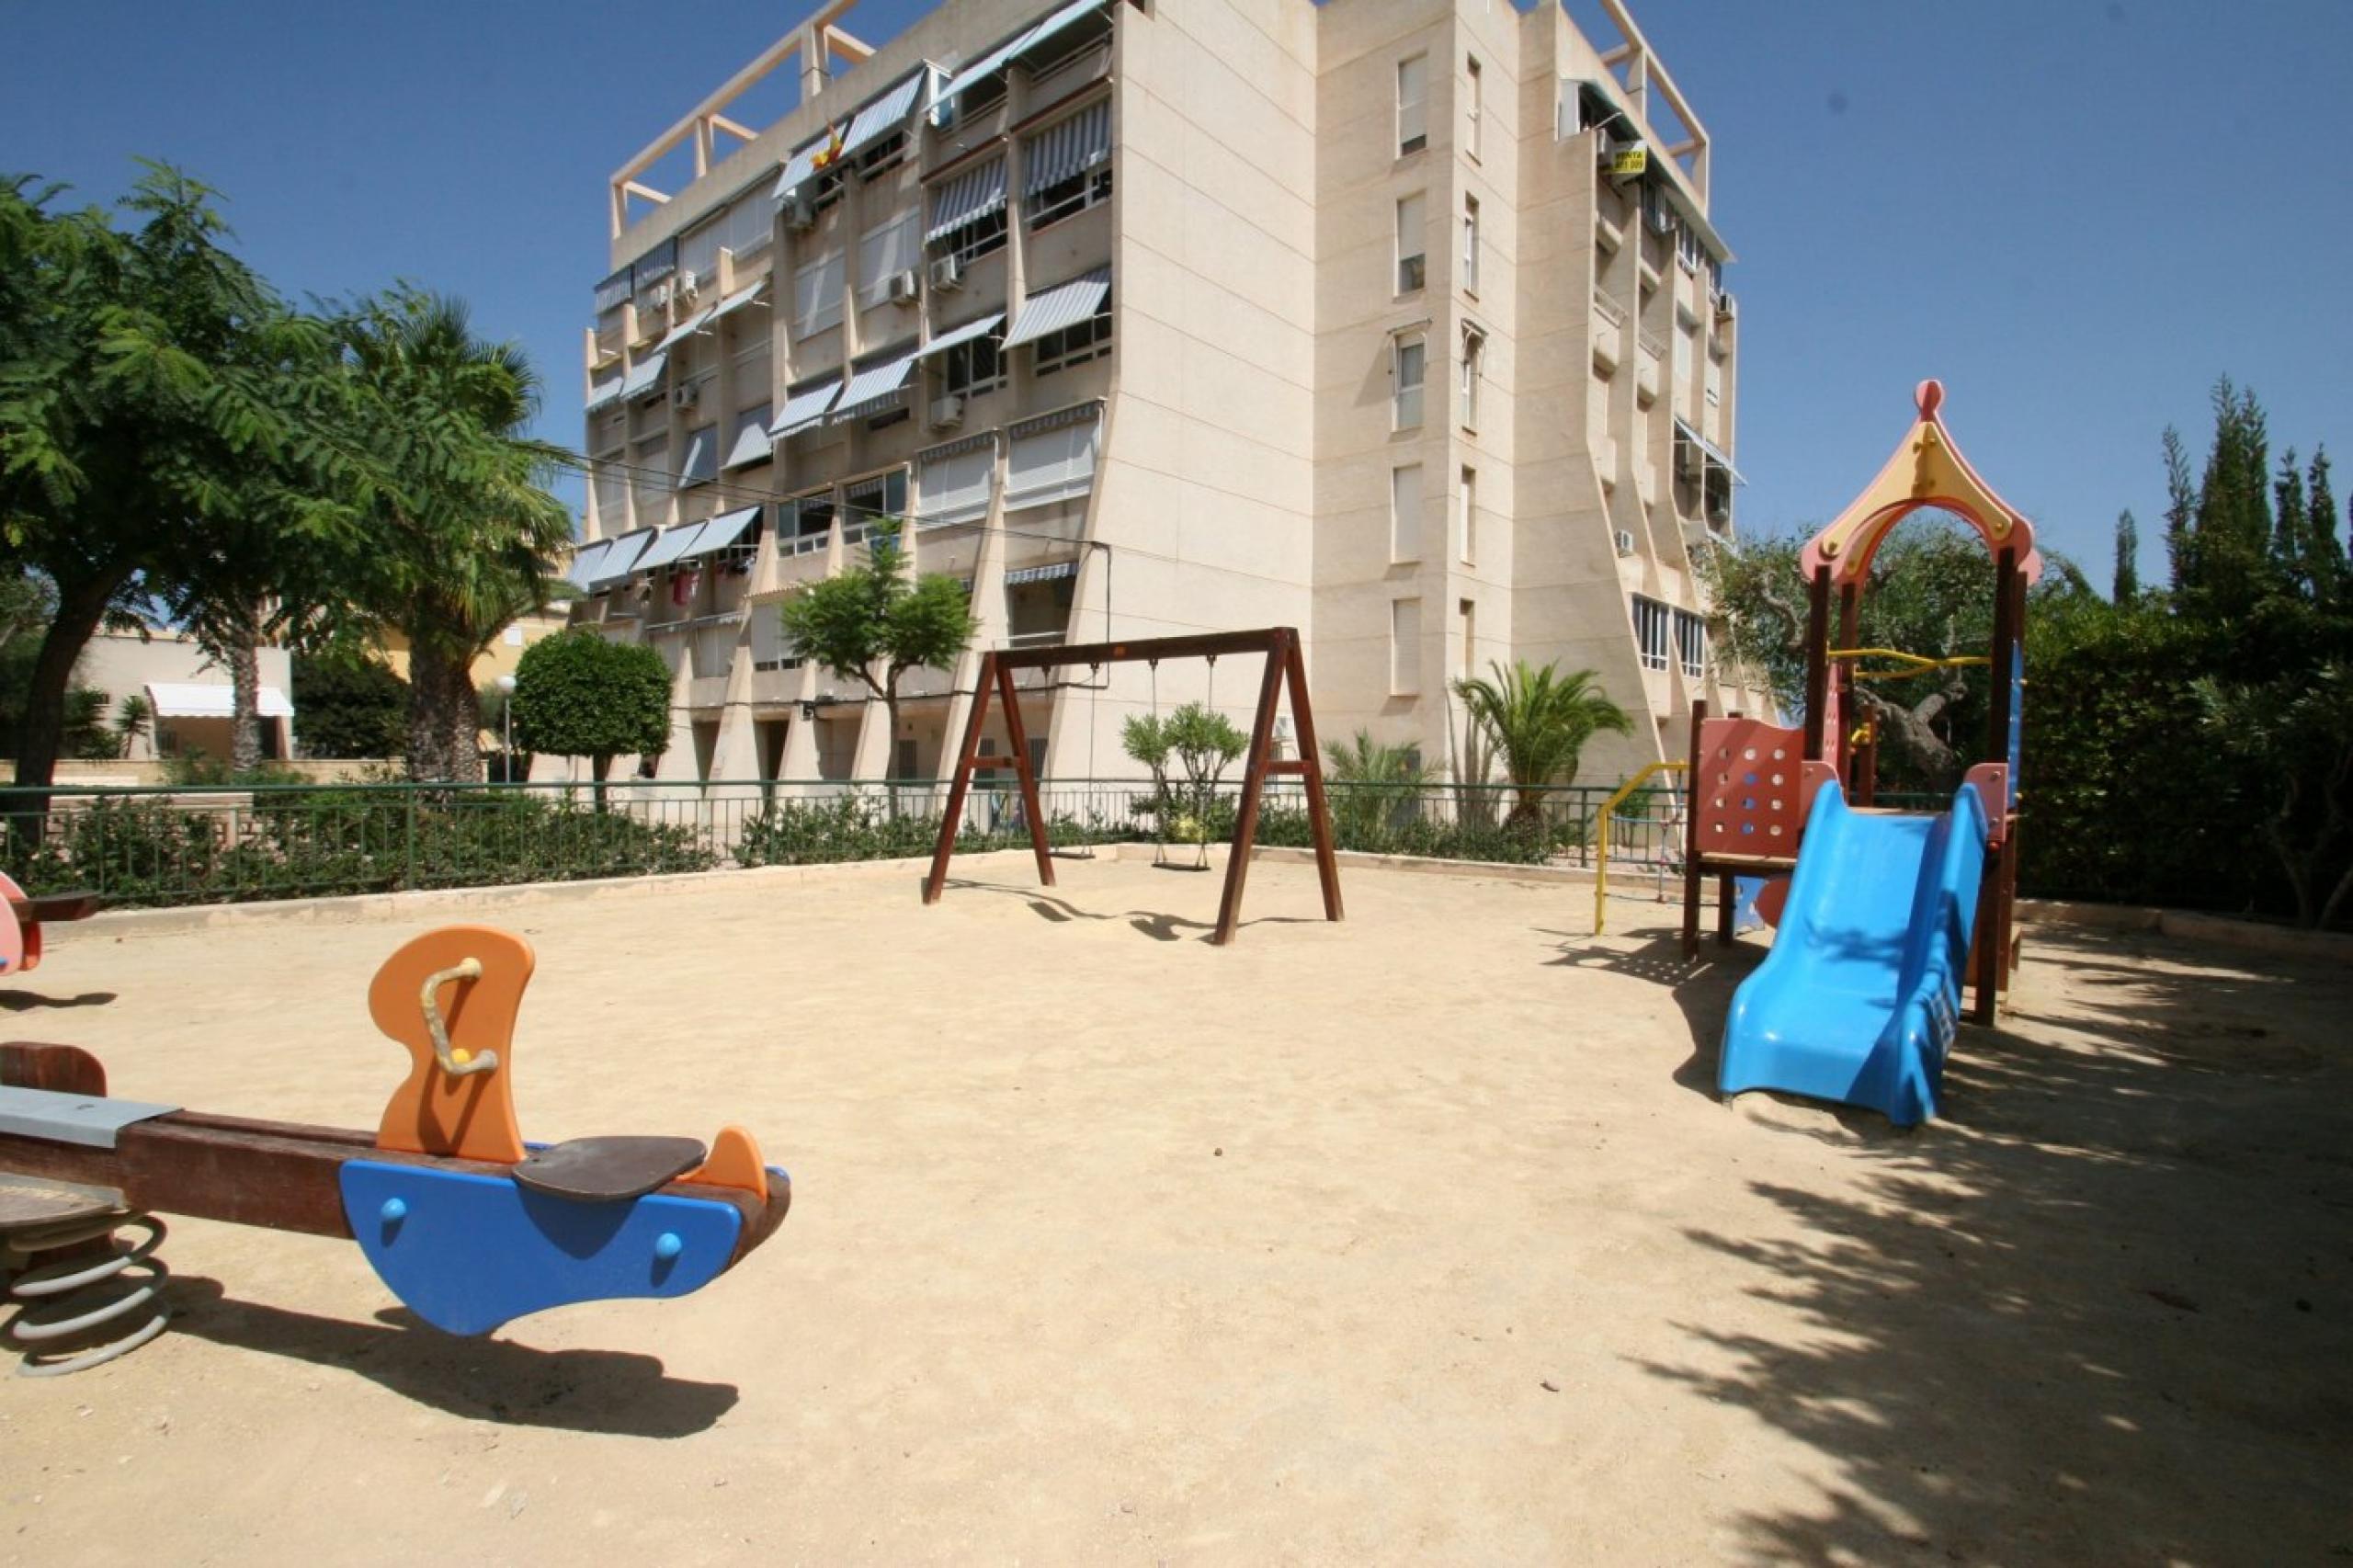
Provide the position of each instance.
(684, 330)
(967, 199)
(965, 334)
(1708, 449)
(604, 394)
(1028, 38)
(586, 562)
(1065, 304)
(720, 532)
(1053, 571)
(656, 264)
(738, 300)
(875, 388)
(804, 408)
(614, 292)
(802, 165)
(753, 442)
(1068, 148)
(622, 559)
(667, 546)
(644, 377)
(883, 115)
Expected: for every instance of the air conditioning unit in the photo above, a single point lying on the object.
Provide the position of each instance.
(1625, 542)
(904, 287)
(800, 213)
(686, 396)
(948, 412)
(1725, 311)
(660, 295)
(948, 273)
(687, 285)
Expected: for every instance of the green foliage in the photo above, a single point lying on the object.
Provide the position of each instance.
(578, 695)
(2125, 586)
(1200, 744)
(1380, 781)
(2293, 733)
(86, 736)
(133, 716)
(351, 706)
(1539, 721)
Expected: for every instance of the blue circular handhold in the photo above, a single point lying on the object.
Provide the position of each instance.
(394, 1211)
(1751, 779)
(667, 1246)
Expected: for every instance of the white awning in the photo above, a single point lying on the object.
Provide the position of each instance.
(882, 116)
(993, 60)
(586, 560)
(722, 531)
(684, 330)
(604, 394)
(622, 559)
(1054, 464)
(967, 199)
(667, 546)
(645, 376)
(1067, 148)
(875, 387)
(955, 486)
(965, 334)
(208, 699)
(1047, 574)
(1065, 304)
(738, 300)
(752, 438)
(1708, 449)
(802, 409)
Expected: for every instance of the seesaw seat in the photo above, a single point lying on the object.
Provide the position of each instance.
(608, 1170)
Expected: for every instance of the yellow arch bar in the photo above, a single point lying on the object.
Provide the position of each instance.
(1601, 835)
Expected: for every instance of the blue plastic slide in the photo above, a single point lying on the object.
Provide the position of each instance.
(1858, 999)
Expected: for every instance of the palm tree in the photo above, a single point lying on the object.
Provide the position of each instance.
(1373, 781)
(1539, 720)
(467, 534)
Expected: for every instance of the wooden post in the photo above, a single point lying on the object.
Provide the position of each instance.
(1318, 813)
(1018, 736)
(1692, 784)
(960, 780)
(1817, 660)
(1725, 889)
(1990, 912)
(1254, 784)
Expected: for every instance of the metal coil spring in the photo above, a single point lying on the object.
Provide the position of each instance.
(64, 1306)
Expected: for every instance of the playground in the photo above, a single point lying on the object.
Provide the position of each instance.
(1422, 1234)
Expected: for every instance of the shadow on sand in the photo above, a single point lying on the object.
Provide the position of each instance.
(611, 1391)
(2101, 1311)
(1159, 926)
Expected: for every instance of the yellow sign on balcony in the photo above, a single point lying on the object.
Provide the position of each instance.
(1628, 163)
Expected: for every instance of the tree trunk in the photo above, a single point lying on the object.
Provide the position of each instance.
(429, 728)
(244, 704)
(80, 608)
(890, 744)
(465, 725)
(601, 764)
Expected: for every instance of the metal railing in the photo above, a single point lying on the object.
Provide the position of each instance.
(174, 845)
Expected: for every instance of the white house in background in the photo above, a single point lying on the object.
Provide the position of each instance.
(188, 695)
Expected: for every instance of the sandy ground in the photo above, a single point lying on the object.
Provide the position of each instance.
(1418, 1237)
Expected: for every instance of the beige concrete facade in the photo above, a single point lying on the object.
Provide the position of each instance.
(183, 686)
(1227, 438)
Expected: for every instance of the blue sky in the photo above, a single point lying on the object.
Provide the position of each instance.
(2076, 213)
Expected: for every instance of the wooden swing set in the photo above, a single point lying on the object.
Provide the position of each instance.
(1285, 666)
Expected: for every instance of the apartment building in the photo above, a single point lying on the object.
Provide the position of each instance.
(1400, 322)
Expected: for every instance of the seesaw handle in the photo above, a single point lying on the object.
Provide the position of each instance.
(468, 968)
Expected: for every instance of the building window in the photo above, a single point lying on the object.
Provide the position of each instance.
(817, 295)
(1408, 354)
(1470, 245)
(1688, 250)
(968, 214)
(970, 241)
(970, 369)
(1474, 353)
(1651, 632)
(884, 252)
(1413, 264)
(702, 457)
(1467, 503)
(1076, 343)
(612, 494)
(872, 500)
(1474, 98)
(811, 520)
(1691, 644)
(956, 487)
(650, 480)
(748, 228)
(698, 257)
(1406, 513)
(1405, 647)
(1069, 165)
(1412, 94)
(1467, 610)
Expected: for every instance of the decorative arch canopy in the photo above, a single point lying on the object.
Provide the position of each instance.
(1928, 471)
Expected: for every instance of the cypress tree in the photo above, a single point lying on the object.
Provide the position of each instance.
(2181, 548)
(2289, 552)
(2322, 548)
(2127, 585)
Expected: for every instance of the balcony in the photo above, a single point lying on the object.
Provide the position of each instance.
(1050, 636)
(1648, 352)
(1609, 334)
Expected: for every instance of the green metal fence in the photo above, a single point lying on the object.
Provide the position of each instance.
(228, 843)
